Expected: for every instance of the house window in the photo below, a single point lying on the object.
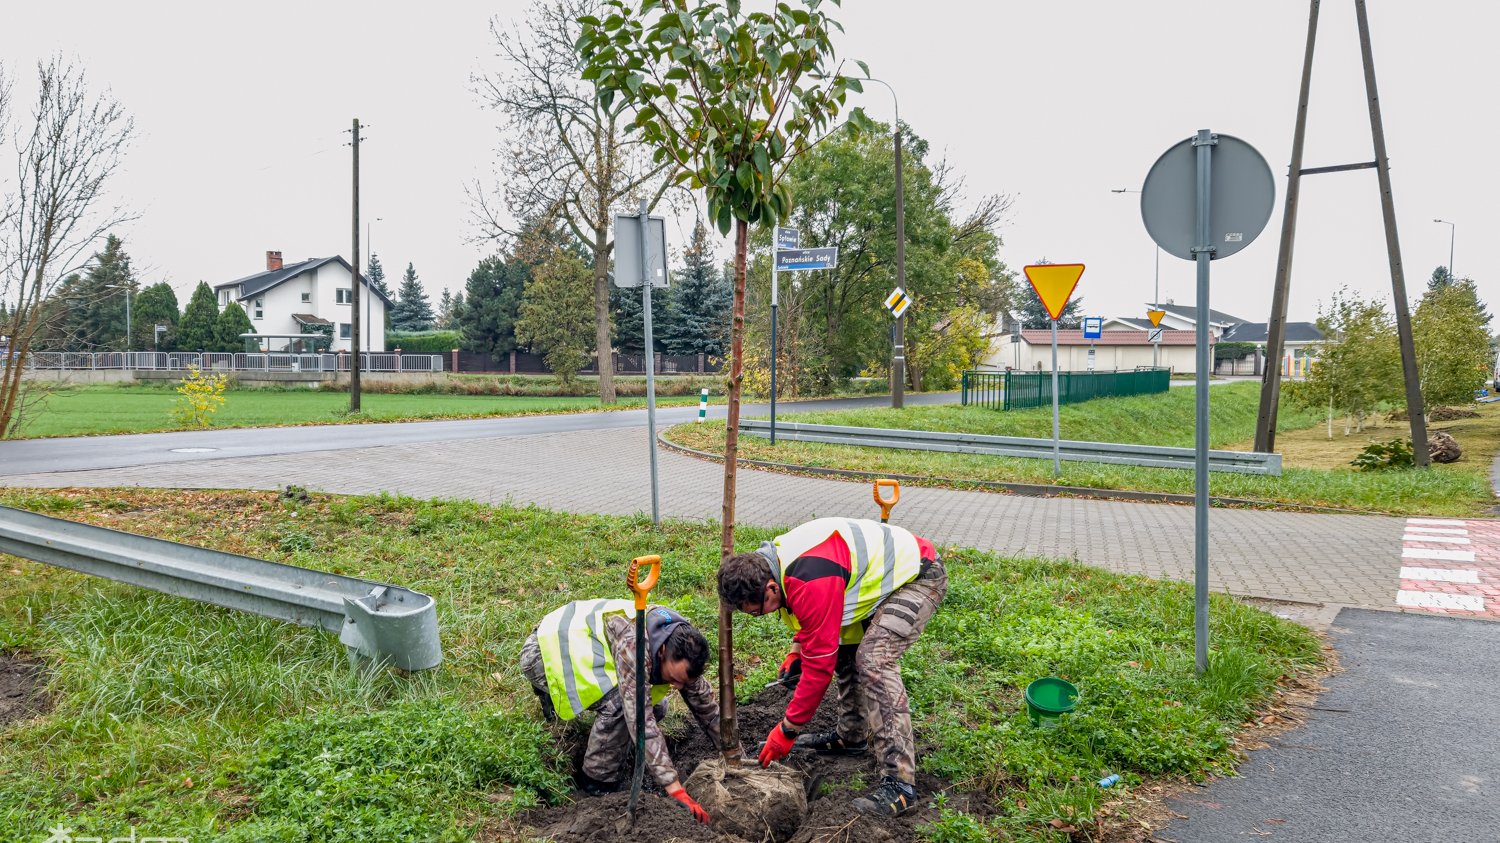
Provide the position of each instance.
(345, 295)
(345, 331)
(260, 308)
(307, 297)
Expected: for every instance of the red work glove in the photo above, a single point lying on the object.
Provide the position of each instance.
(681, 795)
(791, 670)
(778, 744)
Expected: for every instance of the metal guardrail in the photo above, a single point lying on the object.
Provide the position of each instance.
(216, 361)
(381, 622)
(1152, 456)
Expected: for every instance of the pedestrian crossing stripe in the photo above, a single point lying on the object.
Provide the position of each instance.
(897, 302)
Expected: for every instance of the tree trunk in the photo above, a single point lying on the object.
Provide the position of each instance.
(727, 720)
(602, 345)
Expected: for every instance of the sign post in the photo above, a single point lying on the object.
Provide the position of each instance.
(1054, 284)
(786, 238)
(1155, 335)
(641, 261)
(1234, 191)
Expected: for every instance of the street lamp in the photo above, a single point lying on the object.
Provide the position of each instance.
(1156, 291)
(898, 351)
(1452, 232)
(126, 288)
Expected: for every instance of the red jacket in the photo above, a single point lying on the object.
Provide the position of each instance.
(814, 594)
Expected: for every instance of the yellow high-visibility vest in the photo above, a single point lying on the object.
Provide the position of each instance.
(577, 658)
(882, 558)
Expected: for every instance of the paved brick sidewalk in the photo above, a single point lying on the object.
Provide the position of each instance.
(1335, 559)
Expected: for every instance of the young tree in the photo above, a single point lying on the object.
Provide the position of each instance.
(555, 317)
(375, 273)
(196, 331)
(491, 302)
(230, 324)
(1454, 355)
(444, 318)
(413, 312)
(697, 317)
(727, 98)
(67, 156)
(567, 150)
(1358, 364)
(156, 305)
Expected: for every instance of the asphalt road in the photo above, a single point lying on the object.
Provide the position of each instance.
(82, 453)
(1397, 749)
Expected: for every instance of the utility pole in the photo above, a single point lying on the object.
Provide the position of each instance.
(354, 286)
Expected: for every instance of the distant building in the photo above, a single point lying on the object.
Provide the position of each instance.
(311, 296)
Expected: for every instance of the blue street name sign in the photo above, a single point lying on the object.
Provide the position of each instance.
(787, 238)
(1093, 327)
(794, 259)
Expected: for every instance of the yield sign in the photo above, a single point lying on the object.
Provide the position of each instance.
(1155, 317)
(1054, 284)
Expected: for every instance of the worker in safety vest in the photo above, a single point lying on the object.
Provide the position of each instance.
(582, 658)
(857, 593)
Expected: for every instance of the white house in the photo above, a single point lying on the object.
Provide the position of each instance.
(1115, 350)
(307, 297)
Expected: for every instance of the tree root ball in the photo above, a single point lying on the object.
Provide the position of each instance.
(1442, 447)
(757, 804)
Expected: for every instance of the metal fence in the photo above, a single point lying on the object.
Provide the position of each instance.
(983, 389)
(1023, 390)
(214, 361)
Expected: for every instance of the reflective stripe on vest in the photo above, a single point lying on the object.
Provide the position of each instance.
(882, 558)
(577, 658)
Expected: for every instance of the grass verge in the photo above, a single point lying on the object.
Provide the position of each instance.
(185, 720)
(1315, 468)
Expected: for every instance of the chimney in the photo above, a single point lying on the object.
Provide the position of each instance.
(273, 261)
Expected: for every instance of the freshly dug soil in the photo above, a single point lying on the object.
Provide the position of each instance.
(20, 689)
(831, 783)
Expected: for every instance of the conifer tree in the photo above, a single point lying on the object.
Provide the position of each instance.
(413, 312)
(231, 322)
(196, 330)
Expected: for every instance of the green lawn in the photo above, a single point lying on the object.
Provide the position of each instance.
(1461, 488)
(81, 411)
(197, 722)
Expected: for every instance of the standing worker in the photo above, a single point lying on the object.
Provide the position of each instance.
(857, 593)
(581, 657)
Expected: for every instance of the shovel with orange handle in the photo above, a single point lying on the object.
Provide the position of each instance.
(641, 589)
(887, 505)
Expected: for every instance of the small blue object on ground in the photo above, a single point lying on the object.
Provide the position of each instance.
(1110, 780)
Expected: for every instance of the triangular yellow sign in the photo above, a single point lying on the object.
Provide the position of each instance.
(1155, 316)
(1054, 284)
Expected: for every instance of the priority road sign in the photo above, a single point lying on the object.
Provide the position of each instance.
(1155, 317)
(1154, 335)
(795, 259)
(897, 302)
(1054, 284)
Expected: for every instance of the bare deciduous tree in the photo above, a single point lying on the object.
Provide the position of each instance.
(564, 155)
(65, 157)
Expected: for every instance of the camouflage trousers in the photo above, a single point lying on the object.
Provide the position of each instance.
(610, 750)
(872, 701)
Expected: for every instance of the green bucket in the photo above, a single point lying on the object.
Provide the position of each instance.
(1047, 699)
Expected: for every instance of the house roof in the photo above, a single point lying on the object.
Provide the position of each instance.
(258, 283)
(1257, 332)
(1190, 312)
(1109, 338)
(307, 319)
(1142, 324)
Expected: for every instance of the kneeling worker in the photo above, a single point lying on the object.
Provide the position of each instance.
(857, 593)
(582, 658)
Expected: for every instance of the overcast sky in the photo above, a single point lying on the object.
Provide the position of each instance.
(244, 110)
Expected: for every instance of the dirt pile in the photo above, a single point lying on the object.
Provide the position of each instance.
(750, 802)
(20, 689)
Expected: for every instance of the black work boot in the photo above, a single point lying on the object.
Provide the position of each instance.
(594, 787)
(830, 743)
(892, 799)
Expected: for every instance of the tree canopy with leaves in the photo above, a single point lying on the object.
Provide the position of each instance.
(196, 331)
(491, 301)
(727, 99)
(156, 305)
(1358, 364)
(554, 317)
(230, 324)
(1454, 354)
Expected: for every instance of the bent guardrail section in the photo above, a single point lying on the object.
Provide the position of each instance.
(1152, 456)
(384, 623)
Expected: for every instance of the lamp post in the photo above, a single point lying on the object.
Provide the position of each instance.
(898, 343)
(126, 288)
(1155, 292)
(1452, 233)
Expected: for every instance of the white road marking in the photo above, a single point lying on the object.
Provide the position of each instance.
(1410, 537)
(1440, 575)
(1437, 600)
(1425, 553)
(1437, 522)
(1412, 528)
